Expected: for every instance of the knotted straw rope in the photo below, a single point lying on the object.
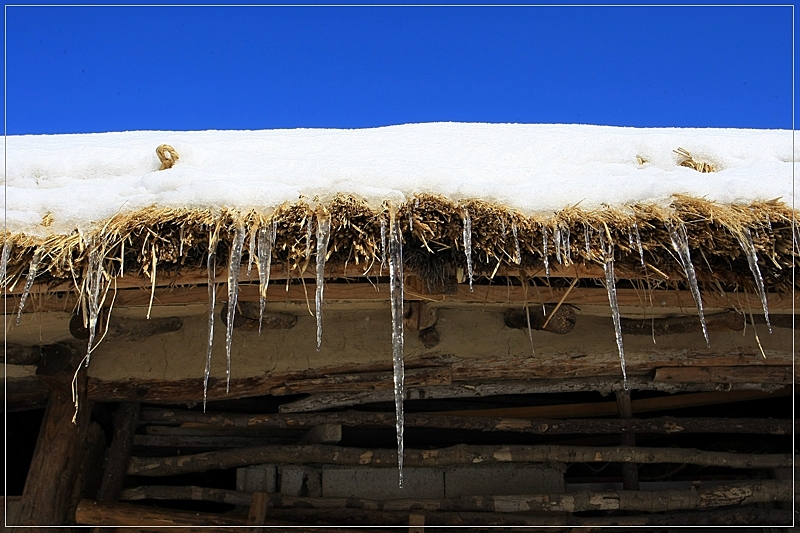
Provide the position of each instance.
(167, 155)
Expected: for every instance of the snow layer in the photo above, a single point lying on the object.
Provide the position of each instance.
(84, 179)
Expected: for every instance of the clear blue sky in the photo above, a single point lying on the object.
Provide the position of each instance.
(92, 69)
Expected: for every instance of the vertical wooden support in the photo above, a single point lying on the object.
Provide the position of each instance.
(258, 509)
(59, 452)
(126, 418)
(630, 474)
(416, 523)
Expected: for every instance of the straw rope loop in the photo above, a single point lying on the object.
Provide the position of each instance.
(689, 162)
(167, 155)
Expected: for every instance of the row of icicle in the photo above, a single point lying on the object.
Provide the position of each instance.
(261, 246)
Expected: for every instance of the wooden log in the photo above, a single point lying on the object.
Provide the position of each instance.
(725, 374)
(17, 354)
(164, 492)
(560, 320)
(59, 454)
(126, 419)
(364, 380)
(630, 472)
(460, 454)
(188, 442)
(132, 329)
(727, 321)
(90, 475)
(663, 425)
(95, 513)
(25, 394)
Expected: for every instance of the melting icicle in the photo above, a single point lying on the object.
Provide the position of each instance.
(309, 233)
(251, 251)
(557, 243)
(266, 239)
(517, 252)
(34, 266)
(680, 243)
(94, 279)
(565, 243)
(638, 242)
(467, 234)
(608, 265)
(211, 266)
(383, 243)
(396, 289)
(544, 252)
(587, 241)
(4, 261)
(234, 266)
(752, 259)
(323, 235)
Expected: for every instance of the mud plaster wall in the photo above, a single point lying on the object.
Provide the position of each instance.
(363, 336)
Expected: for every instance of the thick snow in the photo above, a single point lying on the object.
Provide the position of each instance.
(84, 179)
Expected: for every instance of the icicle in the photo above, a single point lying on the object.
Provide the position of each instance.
(309, 233)
(410, 221)
(396, 289)
(266, 240)
(544, 252)
(251, 251)
(94, 279)
(34, 266)
(752, 259)
(638, 243)
(4, 261)
(180, 245)
(557, 243)
(680, 243)
(608, 265)
(323, 235)
(565, 244)
(587, 241)
(517, 252)
(234, 266)
(211, 266)
(467, 234)
(383, 243)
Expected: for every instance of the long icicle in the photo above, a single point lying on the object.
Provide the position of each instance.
(396, 295)
(680, 243)
(211, 266)
(251, 250)
(746, 242)
(383, 243)
(544, 252)
(94, 281)
(323, 235)
(234, 265)
(467, 234)
(608, 266)
(32, 269)
(266, 239)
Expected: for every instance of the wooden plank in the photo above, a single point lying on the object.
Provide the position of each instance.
(365, 381)
(725, 374)
(460, 454)
(259, 505)
(663, 425)
(643, 405)
(95, 513)
(194, 493)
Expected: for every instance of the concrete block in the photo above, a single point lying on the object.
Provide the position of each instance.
(292, 477)
(502, 479)
(259, 478)
(314, 483)
(382, 483)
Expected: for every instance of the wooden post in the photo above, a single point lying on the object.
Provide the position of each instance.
(416, 523)
(258, 509)
(126, 419)
(630, 472)
(58, 455)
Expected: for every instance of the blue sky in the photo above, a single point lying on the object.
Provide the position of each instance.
(92, 69)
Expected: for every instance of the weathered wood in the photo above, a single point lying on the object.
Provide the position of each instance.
(330, 400)
(460, 454)
(418, 316)
(17, 354)
(416, 523)
(247, 317)
(185, 442)
(364, 380)
(323, 434)
(59, 454)
(559, 320)
(642, 405)
(725, 374)
(126, 419)
(95, 513)
(90, 475)
(131, 329)
(663, 425)
(24, 394)
(259, 505)
(165, 492)
(630, 473)
(728, 321)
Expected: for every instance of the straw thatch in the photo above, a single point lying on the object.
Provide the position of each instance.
(432, 229)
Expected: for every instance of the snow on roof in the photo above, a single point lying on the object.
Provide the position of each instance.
(81, 180)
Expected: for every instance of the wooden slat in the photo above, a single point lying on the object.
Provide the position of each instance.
(95, 513)
(725, 374)
(365, 381)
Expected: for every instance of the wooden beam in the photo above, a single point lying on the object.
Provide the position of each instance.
(364, 380)
(663, 425)
(461, 454)
(95, 513)
(557, 319)
(25, 394)
(727, 321)
(59, 454)
(17, 354)
(131, 329)
(126, 419)
(725, 374)
(194, 493)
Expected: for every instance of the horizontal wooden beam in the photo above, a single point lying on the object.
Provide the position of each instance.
(725, 374)
(664, 425)
(460, 454)
(364, 381)
(95, 513)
